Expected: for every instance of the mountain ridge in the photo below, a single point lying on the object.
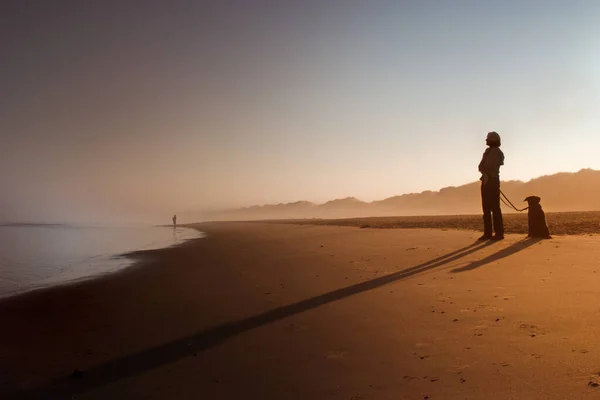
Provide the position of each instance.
(563, 191)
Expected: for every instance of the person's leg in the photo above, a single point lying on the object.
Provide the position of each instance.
(487, 213)
(495, 208)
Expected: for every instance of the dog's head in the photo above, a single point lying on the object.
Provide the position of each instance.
(532, 200)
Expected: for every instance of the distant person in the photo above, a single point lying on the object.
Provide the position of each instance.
(489, 167)
(174, 221)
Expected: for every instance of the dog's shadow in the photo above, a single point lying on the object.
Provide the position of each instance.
(510, 250)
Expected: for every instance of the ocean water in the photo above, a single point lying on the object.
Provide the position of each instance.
(36, 256)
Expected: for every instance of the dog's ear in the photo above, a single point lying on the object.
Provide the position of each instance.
(532, 199)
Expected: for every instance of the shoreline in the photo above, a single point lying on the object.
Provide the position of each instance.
(133, 259)
(289, 311)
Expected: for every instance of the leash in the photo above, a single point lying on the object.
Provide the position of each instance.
(509, 204)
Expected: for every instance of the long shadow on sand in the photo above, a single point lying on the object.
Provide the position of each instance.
(155, 357)
(512, 249)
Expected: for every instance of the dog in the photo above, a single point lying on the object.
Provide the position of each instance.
(538, 228)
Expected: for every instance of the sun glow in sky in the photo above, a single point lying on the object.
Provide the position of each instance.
(140, 110)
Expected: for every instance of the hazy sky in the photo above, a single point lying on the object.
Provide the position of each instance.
(142, 109)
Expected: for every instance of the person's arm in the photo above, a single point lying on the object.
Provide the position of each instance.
(483, 161)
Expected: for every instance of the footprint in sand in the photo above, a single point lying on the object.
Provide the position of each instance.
(594, 381)
(504, 364)
(488, 307)
(420, 357)
(534, 330)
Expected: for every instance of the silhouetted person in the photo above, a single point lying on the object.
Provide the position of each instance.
(489, 167)
(174, 221)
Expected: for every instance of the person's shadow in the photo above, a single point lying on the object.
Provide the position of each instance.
(512, 249)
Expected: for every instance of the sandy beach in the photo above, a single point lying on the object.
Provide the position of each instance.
(289, 311)
(560, 223)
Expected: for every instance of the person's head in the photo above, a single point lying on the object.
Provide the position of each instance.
(493, 139)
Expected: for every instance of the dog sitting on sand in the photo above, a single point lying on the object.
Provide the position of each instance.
(538, 228)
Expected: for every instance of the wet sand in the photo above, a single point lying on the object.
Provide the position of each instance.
(287, 311)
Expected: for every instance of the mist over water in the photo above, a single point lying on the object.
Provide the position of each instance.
(35, 256)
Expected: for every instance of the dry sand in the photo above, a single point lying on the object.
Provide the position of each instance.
(560, 223)
(282, 311)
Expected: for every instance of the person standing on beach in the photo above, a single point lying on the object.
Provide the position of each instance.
(174, 221)
(489, 167)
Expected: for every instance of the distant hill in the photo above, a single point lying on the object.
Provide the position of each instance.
(565, 191)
